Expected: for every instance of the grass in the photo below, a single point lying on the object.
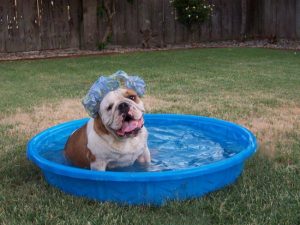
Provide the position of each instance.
(255, 87)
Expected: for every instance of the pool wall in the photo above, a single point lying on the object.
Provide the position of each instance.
(145, 192)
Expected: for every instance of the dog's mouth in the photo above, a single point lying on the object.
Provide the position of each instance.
(130, 126)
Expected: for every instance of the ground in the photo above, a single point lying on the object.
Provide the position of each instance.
(257, 88)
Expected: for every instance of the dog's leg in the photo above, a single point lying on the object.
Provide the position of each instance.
(145, 157)
(99, 165)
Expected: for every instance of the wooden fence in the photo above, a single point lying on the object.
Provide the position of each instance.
(60, 24)
(280, 18)
(39, 24)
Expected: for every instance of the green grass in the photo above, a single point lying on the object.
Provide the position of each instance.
(232, 84)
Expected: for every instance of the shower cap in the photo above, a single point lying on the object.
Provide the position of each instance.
(105, 84)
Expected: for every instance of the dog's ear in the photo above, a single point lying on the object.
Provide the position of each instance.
(99, 126)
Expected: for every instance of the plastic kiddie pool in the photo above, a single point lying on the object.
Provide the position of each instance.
(191, 156)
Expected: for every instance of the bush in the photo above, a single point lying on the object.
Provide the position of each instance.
(190, 12)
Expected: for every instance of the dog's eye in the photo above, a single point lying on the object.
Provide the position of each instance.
(132, 97)
(109, 107)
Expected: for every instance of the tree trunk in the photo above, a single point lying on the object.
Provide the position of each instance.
(110, 11)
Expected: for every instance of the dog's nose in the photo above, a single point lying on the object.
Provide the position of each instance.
(123, 107)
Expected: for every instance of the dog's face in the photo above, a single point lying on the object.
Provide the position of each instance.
(121, 112)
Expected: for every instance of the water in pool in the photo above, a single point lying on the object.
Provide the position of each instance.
(172, 148)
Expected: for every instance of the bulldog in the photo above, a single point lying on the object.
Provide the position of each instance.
(116, 137)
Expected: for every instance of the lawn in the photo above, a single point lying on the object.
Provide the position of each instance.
(257, 88)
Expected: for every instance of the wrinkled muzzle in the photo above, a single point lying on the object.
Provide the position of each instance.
(131, 120)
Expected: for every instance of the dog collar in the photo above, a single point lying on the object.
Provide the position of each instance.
(105, 84)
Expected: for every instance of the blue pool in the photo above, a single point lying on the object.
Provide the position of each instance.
(191, 156)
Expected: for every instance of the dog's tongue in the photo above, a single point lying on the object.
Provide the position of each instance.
(130, 126)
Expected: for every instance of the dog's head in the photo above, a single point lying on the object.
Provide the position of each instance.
(121, 112)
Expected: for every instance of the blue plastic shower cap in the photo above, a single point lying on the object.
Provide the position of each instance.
(104, 84)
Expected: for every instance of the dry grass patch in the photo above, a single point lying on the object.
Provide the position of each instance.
(44, 116)
(269, 128)
(153, 103)
(47, 115)
(273, 127)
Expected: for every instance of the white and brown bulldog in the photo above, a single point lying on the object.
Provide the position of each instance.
(115, 138)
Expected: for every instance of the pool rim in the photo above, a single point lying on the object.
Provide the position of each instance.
(86, 174)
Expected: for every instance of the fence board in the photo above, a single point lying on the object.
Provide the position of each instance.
(297, 15)
(168, 23)
(89, 29)
(226, 19)
(45, 25)
(144, 19)
(3, 25)
(205, 31)
(14, 43)
(194, 34)
(19, 22)
(179, 33)
(259, 18)
(286, 18)
(131, 24)
(186, 35)
(236, 19)
(216, 21)
(74, 13)
(58, 24)
(30, 26)
(269, 25)
(157, 19)
(101, 21)
(251, 27)
(119, 35)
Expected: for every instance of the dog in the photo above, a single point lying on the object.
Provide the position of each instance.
(116, 137)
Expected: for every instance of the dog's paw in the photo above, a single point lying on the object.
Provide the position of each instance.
(98, 165)
(145, 157)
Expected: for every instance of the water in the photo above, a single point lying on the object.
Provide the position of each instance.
(173, 147)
